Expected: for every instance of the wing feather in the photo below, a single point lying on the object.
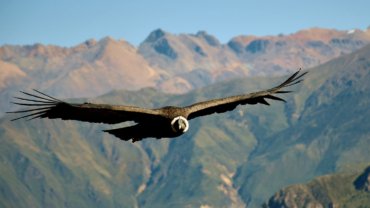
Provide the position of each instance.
(45, 106)
(229, 103)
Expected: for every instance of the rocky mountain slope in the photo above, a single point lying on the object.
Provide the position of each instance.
(335, 190)
(200, 59)
(89, 69)
(305, 48)
(235, 159)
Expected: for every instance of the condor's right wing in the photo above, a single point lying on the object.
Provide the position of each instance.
(41, 105)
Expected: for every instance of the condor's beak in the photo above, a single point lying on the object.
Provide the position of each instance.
(182, 126)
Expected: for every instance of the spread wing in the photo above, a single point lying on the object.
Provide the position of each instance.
(44, 106)
(229, 103)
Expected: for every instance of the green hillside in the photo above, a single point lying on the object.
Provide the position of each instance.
(235, 159)
(335, 190)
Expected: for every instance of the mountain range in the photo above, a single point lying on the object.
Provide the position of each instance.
(243, 158)
(168, 62)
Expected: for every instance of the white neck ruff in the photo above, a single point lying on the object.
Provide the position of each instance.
(183, 119)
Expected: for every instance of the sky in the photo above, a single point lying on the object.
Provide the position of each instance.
(71, 22)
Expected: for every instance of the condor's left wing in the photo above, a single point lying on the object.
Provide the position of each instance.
(229, 103)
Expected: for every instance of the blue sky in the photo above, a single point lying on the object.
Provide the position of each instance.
(70, 22)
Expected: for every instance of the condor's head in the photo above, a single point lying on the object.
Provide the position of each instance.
(179, 124)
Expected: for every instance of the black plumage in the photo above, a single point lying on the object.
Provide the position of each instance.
(166, 122)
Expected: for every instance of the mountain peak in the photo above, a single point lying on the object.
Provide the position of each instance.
(158, 41)
(107, 40)
(155, 35)
(210, 39)
(90, 42)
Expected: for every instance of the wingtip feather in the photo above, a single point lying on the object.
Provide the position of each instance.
(39, 104)
(275, 98)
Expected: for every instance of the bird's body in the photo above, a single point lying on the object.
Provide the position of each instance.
(165, 122)
(172, 122)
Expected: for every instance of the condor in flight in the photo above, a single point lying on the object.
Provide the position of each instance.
(165, 122)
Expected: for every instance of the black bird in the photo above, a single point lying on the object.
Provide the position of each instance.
(165, 122)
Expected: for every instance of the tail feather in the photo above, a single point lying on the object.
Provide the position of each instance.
(127, 133)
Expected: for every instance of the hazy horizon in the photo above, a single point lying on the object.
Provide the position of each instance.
(67, 23)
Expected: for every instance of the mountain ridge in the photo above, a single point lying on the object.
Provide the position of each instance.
(333, 190)
(95, 67)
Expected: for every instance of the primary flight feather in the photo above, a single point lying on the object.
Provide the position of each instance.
(166, 122)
